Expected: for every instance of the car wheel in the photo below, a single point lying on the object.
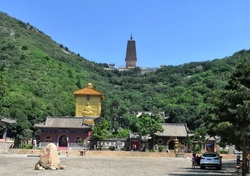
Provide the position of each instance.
(219, 167)
(202, 167)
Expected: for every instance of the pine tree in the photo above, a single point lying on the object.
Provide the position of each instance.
(231, 112)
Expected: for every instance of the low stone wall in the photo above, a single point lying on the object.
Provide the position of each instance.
(96, 153)
(228, 156)
(4, 146)
(24, 151)
(111, 153)
(130, 153)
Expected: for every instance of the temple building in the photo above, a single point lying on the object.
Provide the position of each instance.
(73, 132)
(4, 124)
(171, 132)
(131, 54)
(5, 141)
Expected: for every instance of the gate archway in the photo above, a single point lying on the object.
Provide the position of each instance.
(170, 144)
(63, 141)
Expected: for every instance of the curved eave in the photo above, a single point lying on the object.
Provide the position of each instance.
(164, 135)
(42, 126)
(9, 121)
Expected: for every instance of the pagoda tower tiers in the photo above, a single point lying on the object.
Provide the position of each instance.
(88, 102)
(131, 54)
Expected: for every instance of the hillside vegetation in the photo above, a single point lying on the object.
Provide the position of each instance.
(38, 77)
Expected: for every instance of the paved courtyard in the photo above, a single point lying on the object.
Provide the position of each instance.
(22, 165)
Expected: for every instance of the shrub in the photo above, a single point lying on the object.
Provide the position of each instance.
(27, 146)
(4, 48)
(22, 57)
(24, 48)
(46, 58)
(160, 148)
(223, 152)
(17, 35)
(112, 148)
(197, 148)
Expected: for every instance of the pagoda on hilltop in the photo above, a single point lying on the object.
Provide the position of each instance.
(131, 54)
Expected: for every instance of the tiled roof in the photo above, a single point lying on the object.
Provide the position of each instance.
(89, 90)
(174, 130)
(63, 122)
(5, 120)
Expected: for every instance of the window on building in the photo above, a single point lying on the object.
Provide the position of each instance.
(160, 141)
(78, 140)
(48, 139)
(88, 97)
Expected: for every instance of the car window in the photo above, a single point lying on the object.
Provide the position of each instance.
(209, 155)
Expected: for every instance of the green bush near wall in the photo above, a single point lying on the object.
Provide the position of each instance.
(160, 148)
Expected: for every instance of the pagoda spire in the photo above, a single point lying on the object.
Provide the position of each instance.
(131, 53)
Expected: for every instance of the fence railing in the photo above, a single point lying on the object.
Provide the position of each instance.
(71, 146)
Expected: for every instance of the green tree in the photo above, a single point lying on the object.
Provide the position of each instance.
(24, 47)
(231, 113)
(123, 133)
(101, 130)
(130, 121)
(148, 125)
(2, 86)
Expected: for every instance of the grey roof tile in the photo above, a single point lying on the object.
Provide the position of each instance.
(63, 122)
(173, 129)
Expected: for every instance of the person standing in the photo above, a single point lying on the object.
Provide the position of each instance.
(238, 159)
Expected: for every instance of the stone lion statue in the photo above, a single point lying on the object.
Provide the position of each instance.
(49, 159)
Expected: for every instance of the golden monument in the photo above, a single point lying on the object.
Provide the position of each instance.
(88, 103)
(176, 145)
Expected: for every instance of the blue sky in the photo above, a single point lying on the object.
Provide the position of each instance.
(170, 32)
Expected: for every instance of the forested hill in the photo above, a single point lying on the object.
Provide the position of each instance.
(38, 77)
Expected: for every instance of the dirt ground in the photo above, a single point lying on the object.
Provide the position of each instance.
(23, 165)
